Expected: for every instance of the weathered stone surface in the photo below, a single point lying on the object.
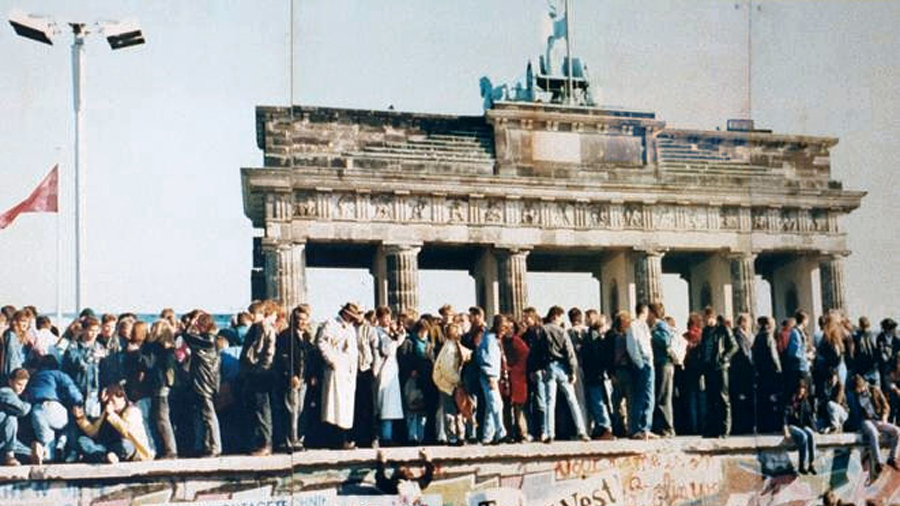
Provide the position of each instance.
(511, 269)
(648, 275)
(679, 471)
(403, 277)
(556, 179)
(743, 283)
(831, 270)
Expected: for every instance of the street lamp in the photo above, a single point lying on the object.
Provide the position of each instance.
(119, 35)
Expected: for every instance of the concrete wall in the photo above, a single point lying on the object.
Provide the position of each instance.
(681, 471)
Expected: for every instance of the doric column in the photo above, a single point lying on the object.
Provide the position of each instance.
(285, 272)
(379, 277)
(511, 270)
(486, 290)
(831, 274)
(402, 272)
(743, 284)
(648, 275)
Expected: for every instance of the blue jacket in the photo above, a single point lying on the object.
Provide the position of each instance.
(795, 353)
(53, 385)
(13, 353)
(82, 364)
(11, 404)
(488, 356)
(661, 341)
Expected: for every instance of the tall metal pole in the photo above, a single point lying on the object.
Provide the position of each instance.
(750, 60)
(59, 249)
(78, 102)
(568, 57)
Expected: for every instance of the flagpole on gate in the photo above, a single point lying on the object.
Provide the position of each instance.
(568, 57)
(59, 254)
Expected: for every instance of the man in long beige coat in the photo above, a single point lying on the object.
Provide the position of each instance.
(337, 343)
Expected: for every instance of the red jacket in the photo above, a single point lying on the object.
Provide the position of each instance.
(515, 352)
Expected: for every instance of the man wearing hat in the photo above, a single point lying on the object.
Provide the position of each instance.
(337, 343)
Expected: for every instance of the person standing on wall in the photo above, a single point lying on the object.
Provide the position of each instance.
(719, 347)
(664, 370)
(291, 355)
(366, 424)
(338, 345)
(257, 358)
(559, 373)
(640, 350)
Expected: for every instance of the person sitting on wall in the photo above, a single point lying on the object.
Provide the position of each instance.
(118, 434)
(12, 407)
(799, 423)
(873, 411)
(403, 481)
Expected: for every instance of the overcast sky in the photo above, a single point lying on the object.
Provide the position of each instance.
(170, 124)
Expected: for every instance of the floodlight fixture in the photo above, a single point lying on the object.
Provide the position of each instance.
(37, 28)
(119, 34)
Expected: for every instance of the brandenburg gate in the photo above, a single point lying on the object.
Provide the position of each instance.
(546, 187)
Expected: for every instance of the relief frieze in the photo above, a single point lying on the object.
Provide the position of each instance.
(493, 212)
(383, 207)
(305, 204)
(419, 209)
(730, 219)
(551, 213)
(760, 218)
(634, 216)
(458, 210)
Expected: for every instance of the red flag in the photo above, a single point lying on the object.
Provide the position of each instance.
(44, 199)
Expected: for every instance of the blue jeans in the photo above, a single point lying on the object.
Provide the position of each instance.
(493, 414)
(805, 439)
(48, 418)
(9, 431)
(871, 429)
(642, 413)
(555, 377)
(837, 416)
(415, 427)
(596, 399)
(539, 404)
(387, 431)
(696, 405)
(96, 452)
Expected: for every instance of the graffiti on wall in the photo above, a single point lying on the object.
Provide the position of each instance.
(659, 478)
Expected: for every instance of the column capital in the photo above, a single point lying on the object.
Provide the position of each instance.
(399, 248)
(651, 251)
(741, 255)
(833, 255)
(512, 249)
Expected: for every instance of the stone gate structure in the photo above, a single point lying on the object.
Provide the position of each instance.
(546, 187)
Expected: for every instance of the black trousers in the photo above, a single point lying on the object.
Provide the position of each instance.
(259, 412)
(365, 422)
(718, 403)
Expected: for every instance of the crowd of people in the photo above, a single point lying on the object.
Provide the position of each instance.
(112, 387)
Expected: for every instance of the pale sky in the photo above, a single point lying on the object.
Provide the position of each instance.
(170, 124)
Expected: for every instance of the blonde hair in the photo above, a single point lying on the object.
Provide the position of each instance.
(162, 332)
